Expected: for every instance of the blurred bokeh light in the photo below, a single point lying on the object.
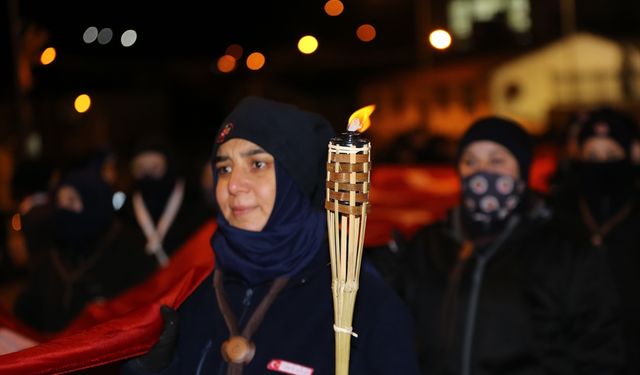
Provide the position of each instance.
(128, 38)
(333, 7)
(16, 223)
(366, 33)
(118, 199)
(255, 61)
(235, 50)
(48, 56)
(307, 44)
(82, 103)
(226, 64)
(105, 35)
(90, 34)
(440, 39)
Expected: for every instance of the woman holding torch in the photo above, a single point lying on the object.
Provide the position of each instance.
(267, 306)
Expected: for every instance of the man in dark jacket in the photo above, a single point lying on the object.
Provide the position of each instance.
(495, 288)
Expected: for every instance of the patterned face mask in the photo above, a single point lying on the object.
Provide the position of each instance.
(490, 198)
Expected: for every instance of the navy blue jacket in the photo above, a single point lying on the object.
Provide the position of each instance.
(298, 327)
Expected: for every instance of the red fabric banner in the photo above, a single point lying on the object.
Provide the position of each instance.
(123, 327)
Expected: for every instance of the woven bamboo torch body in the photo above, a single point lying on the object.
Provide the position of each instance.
(347, 202)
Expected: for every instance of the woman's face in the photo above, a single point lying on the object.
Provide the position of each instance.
(601, 149)
(68, 198)
(246, 189)
(487, 156)
(149, 164)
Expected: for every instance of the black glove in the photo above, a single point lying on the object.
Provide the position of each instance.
(160, 355)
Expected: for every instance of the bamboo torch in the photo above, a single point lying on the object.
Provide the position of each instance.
(347, 202)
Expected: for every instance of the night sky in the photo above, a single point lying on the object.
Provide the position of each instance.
(168, 82)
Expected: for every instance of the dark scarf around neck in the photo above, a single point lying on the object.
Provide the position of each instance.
(288, 243)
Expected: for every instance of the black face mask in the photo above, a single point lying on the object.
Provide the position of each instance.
(155, 192)
(606, 186)
(489, 199)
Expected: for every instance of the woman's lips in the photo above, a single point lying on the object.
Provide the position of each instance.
(241, 210)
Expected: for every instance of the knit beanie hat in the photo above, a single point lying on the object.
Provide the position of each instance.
(504, 132)
(297, 139)
(607, 122)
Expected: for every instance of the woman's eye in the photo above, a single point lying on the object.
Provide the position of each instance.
(497, 161)
(259, 164)
(223, 170)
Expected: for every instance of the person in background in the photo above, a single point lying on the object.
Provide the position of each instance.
(268, 306)
(495, 288)
(87, 258)
(162, 207)
(600, 207)
(31, 184)
(30, 230)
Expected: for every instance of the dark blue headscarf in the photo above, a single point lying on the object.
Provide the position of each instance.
(289, 241)
(296, 229)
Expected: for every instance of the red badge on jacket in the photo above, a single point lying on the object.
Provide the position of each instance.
(286, 367)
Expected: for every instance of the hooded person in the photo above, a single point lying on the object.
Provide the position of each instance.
(163, 208)
(267, 306)
(606, 172)
(600, 208)
(494, 287)
(84, 250)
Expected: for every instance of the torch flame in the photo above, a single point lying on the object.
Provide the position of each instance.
(359, 120)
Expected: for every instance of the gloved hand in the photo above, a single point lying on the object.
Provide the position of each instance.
(161, 353)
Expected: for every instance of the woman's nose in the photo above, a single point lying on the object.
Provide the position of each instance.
(237, 181)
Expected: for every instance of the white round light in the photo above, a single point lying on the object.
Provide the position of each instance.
(90, 34)
(440, 39)
(128, 38)
(105, 35)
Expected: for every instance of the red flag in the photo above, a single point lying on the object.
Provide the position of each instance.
(123, 327)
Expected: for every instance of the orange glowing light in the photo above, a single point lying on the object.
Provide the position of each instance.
(359, 120)
(47, 56)
(235, 50)
(333, 7)
(16, 223)
(255, 61)
(366, 33)
(82, 103)
(226, 63)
